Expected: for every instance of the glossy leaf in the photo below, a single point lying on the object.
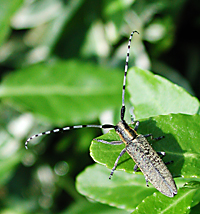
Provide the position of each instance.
(158, 203)
(124, 190)
(85, 206)
(181, 144)
(60, 89)
(6, 12)
(153, 95)
(128, 191)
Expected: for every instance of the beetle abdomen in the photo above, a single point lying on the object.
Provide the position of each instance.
(151, 165)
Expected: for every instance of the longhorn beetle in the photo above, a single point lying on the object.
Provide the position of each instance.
(137, 146)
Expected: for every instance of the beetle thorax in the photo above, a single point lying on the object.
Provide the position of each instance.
(126, 133)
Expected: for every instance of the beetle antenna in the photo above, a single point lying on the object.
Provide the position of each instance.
(106, 126)
(125, 73)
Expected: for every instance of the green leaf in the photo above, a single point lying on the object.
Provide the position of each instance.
(10, 157)
(124, 191)
(195, 209)
(81, 207)
(8, 167)
(158, 203)
(7, 9)
(153, 95)
(64, 91)
(127, 191)
(194, 184)
(181, 144)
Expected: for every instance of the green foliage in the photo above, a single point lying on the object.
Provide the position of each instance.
(129, 191)
(161, 204)
(6, 12)
(94, 207)
(52, 88)
(124, 190)
(153, 95)
(181, 145)
(60, 63)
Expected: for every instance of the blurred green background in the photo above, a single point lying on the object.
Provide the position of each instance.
(46, 45)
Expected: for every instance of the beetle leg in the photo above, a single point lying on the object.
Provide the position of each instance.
(116, 162)
(146, 181)
(137, 123)
(132, 119)
(169, 162)
(156, 138)
(111, 143)
(162, 154)
(135, 168)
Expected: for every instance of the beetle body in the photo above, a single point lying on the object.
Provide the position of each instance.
(149, 162)
(137, 146)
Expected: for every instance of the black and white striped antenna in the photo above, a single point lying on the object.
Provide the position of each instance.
(92, 126)
(106, 126)
(125, 73)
